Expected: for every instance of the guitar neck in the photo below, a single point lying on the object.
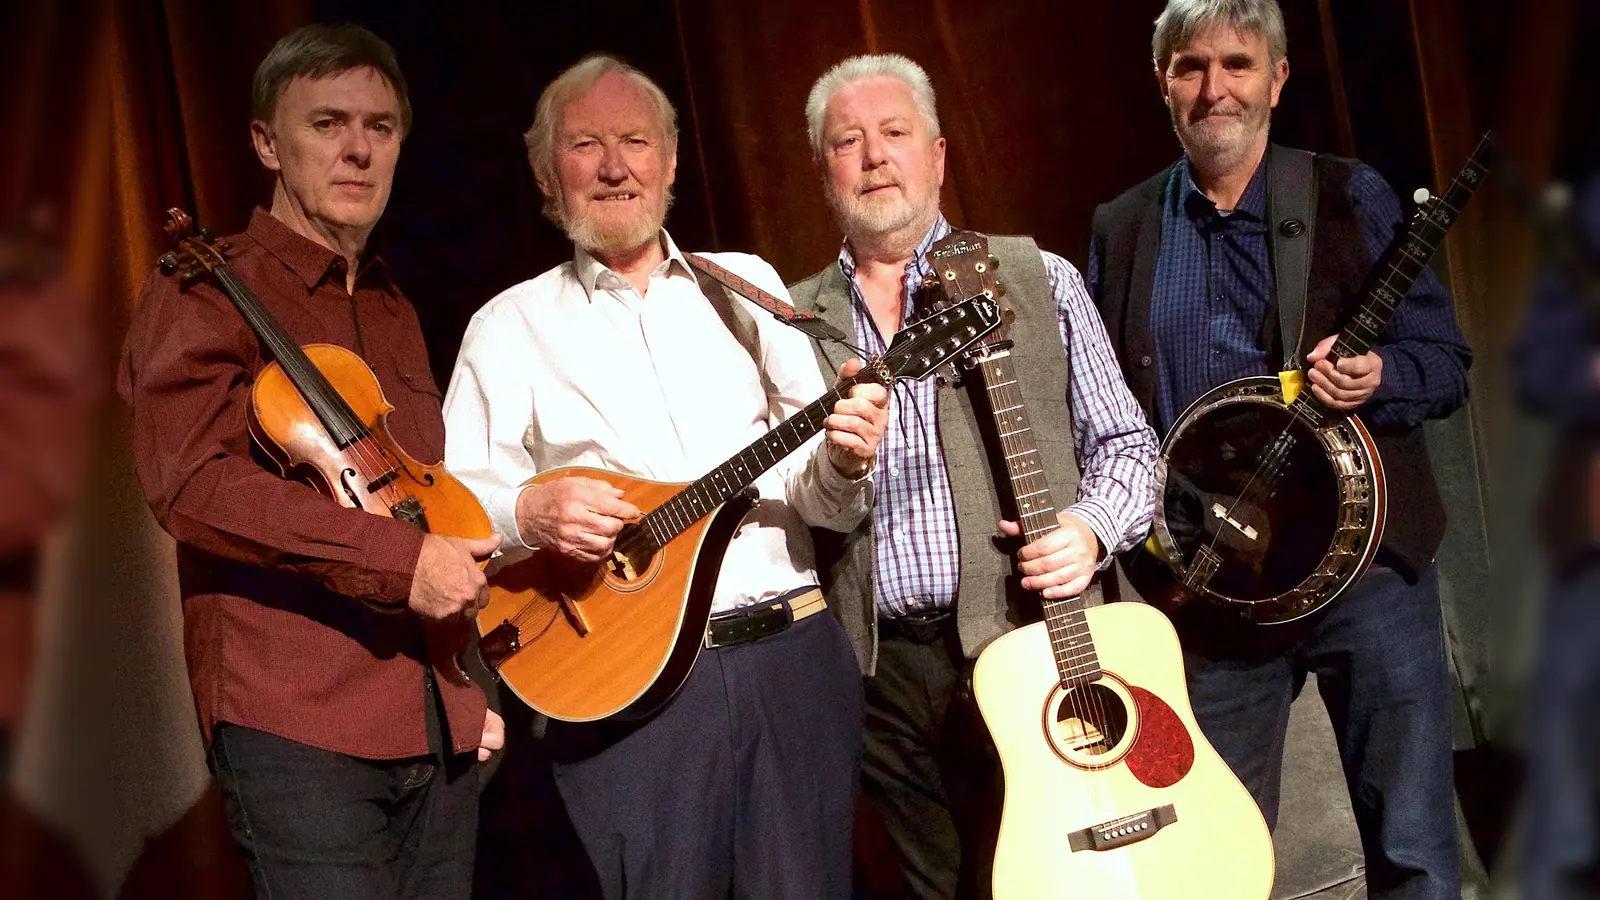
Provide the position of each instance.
(341, 423)
(1070, 640)
(716, 487)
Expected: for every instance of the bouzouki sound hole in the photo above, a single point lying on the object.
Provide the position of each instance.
(1092, 725)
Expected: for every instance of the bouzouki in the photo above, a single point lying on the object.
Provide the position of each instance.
(584, 642)
(1271, 507)
(1110, 788)
(320, 415)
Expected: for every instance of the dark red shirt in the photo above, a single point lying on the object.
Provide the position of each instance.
(274, 574)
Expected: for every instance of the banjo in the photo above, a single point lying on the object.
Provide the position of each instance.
(1270, 507)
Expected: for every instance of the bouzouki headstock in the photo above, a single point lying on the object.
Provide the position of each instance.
(925, 345)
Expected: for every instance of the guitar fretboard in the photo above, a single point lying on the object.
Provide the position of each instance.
(1070, 641)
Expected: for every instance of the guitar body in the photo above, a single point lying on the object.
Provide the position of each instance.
(1274, 555)
(1119, 753)
(586, 642)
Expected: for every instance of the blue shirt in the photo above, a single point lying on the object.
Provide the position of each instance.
(1214, 280)
(918, 564)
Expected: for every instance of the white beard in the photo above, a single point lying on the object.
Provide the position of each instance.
(862, 220)
(609, 238)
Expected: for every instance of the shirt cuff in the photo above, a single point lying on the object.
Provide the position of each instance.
(392, 550)
(502, 508)
(1104, 528)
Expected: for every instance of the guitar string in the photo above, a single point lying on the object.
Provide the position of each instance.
(1060, 615)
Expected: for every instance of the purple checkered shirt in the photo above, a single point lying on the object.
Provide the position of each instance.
(918, 554)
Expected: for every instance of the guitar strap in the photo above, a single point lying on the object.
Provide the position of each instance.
(780, 310)
(1291, 226)
(739, 322)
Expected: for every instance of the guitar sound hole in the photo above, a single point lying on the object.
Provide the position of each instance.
(1091, 725)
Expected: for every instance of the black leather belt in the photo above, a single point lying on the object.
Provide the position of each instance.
(760, 620)
(922, 627)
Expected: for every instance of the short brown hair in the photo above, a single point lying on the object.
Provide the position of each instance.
(318, 51)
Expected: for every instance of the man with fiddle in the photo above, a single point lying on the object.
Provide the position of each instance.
(1182, 270)
(348, 767)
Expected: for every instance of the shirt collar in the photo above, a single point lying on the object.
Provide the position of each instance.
(941, 227)
(591, 271)
(308, 259)
(1253, 204)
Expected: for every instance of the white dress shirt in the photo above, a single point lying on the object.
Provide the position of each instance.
(575, 368)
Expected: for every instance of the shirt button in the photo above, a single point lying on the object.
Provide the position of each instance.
(894, 471)
(1144, 362)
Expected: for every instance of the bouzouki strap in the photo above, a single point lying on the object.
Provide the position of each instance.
(1291, 221)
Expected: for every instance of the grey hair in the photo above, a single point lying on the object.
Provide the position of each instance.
(569, 86)
(1182, 19)
(886, 65)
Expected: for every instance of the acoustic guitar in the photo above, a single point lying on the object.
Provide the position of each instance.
(585, 642)
(319, 414)
(1270, 506)
(1110, 788)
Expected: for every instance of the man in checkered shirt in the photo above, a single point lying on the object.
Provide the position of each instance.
(925, 585)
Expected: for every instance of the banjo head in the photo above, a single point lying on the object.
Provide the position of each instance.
(1262, 511)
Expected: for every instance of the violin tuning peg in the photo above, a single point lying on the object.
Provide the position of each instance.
(205, 234)
(168, 263)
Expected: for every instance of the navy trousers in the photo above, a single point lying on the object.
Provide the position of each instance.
(1562, 856)
(742, 786)
(316, 824)
(1378, 654)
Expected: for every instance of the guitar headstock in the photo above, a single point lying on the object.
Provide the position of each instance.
(193, 252)
(923, 346)
(963, 268)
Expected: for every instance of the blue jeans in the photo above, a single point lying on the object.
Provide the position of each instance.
(312, 823)
(1378, 654)
(1562, 859)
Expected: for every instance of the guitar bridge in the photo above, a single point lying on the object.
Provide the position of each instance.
(1122, 832)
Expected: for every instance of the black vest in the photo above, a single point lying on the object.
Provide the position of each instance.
(1127, 238)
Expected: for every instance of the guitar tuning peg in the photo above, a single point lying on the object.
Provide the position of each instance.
(994, 263)
(999, 288)
(1421, 195)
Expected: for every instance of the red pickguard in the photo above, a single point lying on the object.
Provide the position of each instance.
(1164, 751)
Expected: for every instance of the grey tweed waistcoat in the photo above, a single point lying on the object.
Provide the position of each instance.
(989, 602)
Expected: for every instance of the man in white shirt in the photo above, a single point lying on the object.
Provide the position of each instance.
(743, 784)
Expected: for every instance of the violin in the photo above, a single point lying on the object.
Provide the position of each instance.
(319, 413)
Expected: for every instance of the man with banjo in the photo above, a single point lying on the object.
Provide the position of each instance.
(1182, 268)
